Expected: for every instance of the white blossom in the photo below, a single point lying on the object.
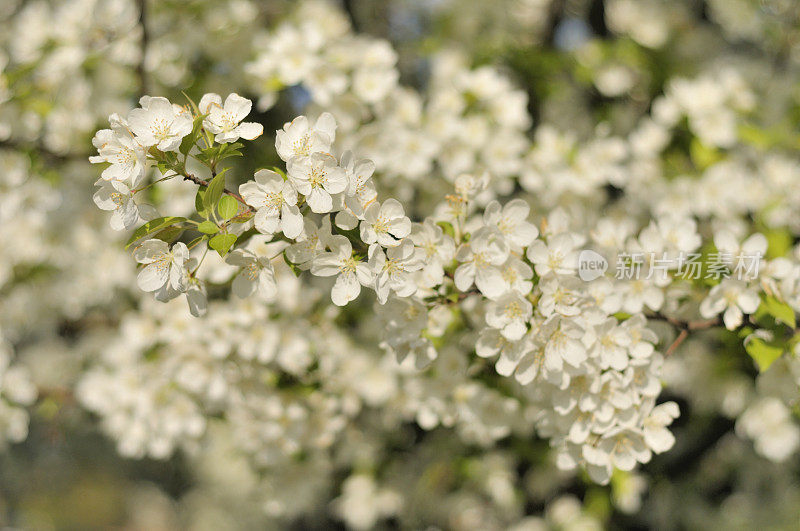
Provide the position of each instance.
(734, 298)
(317, 177)
(256, 275)
(157, 123)
(163, 267)
(385, 223)
(275, 201)
(481, 260)
(224, 121)
(298, 139)
(350, 273)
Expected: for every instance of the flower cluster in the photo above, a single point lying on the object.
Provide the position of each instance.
(595, 379)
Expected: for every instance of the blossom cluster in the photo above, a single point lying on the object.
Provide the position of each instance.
(607, 421)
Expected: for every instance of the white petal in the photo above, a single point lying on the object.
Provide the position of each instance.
(152, 277)
(250, 130)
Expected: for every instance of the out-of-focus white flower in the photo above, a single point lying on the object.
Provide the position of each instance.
(769, 422)
(733, 297)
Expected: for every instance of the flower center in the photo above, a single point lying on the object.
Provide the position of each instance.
(317, 177)
(302, 146)
(160, 128)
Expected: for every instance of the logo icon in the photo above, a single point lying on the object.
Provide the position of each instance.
(591, 265)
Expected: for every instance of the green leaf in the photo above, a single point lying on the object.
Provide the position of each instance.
(222, 243)
(779, 242)
(191, 102)
(170, 234)
(152, 226)
(208, 227)
(230, 150)
(763, 353)
(163, 167)
(199, 202)
(197, 240)
(227, 207)
(191, 139)
(781, 311)
(703, 156)
(214, 192)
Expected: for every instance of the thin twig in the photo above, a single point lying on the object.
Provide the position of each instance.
(685, 327)
(141, 70)
(700, 324)
(675, 344)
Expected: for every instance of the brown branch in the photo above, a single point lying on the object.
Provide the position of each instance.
(675, 344)
(685, 327)
(141, 70)
(700, 324)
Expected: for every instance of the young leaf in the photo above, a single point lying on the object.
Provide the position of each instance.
(191, 139)
(447, 228)
(763, 353)
(152, 226)
(227, 207)
(222, 243)
(199, 202)
(214, 192)
(208, 227)
(191, 102)
(781, 311)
